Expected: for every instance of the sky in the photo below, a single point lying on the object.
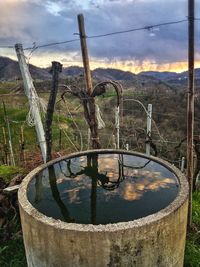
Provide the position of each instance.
(39, 22)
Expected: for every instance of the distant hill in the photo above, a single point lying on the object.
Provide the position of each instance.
(173, 77)
(9, 70)
(100, 73)
(165, 75)
(113, 74)
(72, 71)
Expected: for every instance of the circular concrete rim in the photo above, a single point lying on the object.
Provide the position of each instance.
(31, 211)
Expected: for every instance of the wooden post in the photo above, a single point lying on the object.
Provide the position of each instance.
(117, 124)
(5, 146)
(84, 50)
(12, 160)
(182, 164)
(149, 118)
(88, 138)
(32, 98)
(190, 104)
(56, 69)
(22, 143)
(60, 139)
(114, 141)
(88, 79)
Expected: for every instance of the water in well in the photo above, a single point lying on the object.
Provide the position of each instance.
(103, 188)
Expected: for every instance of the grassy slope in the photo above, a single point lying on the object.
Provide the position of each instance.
(8, 172)
(12, 252)
(192, 253)
(17, 110)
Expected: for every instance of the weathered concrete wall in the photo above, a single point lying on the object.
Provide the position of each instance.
(157, 240)
(157, 244)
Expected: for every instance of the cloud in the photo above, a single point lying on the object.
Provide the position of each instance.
(139, 44)
(29, 21)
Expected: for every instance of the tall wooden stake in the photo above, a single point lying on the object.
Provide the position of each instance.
(31, 95)
(12, 159)
(149, 118)
(190, 105)
(88, 79)
(56, 69)
(22, 143)
(5, 146)
(182, 164)
(60, 139)
(117, 127)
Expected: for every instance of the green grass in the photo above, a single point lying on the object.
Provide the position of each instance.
(110, 94)
(3, 91)
(12, 253)
(8, 172)
(192, 252)
(17, 113)
(8, 85)
(196, 208)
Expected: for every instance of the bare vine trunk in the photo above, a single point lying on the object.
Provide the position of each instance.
(56, 69)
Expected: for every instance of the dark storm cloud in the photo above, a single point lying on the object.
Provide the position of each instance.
(30, 21)
(169, 43)
(49, 21)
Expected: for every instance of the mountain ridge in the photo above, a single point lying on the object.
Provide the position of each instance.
(9, 71)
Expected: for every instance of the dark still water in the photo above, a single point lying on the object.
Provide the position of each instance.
(103, 188)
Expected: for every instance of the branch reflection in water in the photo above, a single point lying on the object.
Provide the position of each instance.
(106, 188)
